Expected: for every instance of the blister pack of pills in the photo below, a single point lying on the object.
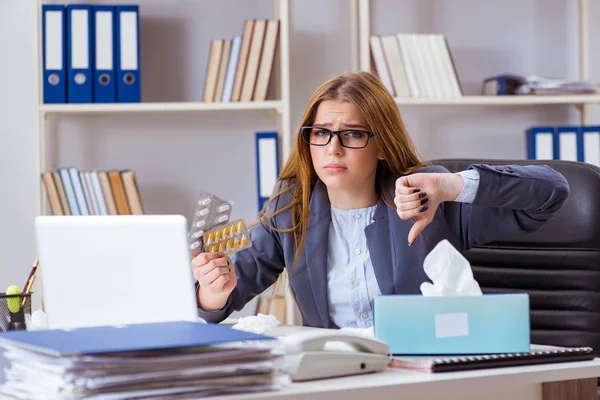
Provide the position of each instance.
(211, 211)
(228, 238)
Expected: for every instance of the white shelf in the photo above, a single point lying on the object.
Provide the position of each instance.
(148, 107)
(279, 110)
(501, 100)
(360, 25)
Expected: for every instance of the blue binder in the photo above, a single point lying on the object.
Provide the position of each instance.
(267, 165)
(79, 45)
(129, 338)
(541, 143)
(128, 54)
(590, 144)
(566, 146)
(104, 88)
(501, 85)
(54, 55)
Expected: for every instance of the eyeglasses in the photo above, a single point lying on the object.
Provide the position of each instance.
(349, 138)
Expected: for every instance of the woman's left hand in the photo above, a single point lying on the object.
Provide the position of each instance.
(419, 195)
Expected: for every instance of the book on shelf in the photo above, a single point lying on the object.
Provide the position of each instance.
(415, 65)
(538, 354)
(75, 192)
(240, 68)
(273, 300)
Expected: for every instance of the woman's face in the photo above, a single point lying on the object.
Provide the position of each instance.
(337, 166)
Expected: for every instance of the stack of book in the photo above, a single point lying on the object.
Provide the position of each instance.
(415, 65)
(74, 192)
(239, 69)
(157, 360)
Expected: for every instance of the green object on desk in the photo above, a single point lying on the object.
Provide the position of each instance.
(14, 303)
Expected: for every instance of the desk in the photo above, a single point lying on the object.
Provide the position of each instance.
(560, 381)
(514, 383)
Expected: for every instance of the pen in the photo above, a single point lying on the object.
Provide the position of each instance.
(28, 289)
(29, 282)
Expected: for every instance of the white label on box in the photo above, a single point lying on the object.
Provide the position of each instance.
(129, 41)
(451, 325)
(80, 51)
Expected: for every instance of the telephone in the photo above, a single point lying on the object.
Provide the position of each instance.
(308, 357)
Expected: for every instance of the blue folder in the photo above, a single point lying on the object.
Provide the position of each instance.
(588, 149)
(105, 88)
(79, 45)
(54, 54)
(542, 143)
(127, 43)
(566, 146)
(176, 335)
(267, 165)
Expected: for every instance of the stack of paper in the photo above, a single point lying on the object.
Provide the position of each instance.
(551, 86)
(160, 360)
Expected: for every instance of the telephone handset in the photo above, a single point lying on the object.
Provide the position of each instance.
(308, 356)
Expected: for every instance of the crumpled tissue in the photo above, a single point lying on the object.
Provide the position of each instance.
(259, 323)
(367, 332)
(38, 321)
(450, 273)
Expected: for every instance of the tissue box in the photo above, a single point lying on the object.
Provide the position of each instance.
(491, 323)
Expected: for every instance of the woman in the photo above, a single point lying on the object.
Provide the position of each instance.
(351, 202)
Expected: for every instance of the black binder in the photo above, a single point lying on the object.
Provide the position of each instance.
(538, 355)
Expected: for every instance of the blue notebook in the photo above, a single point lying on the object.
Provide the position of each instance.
(129, 338)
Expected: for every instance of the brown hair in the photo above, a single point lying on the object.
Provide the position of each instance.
(375, 104)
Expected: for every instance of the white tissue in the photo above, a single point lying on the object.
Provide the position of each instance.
(450, 273)
(38, 321)
(256, 323)
(367, 332)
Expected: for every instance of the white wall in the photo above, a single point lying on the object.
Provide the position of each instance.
(17, 156)
(176, 155)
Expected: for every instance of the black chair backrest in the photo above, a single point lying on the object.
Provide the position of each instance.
(559, 265)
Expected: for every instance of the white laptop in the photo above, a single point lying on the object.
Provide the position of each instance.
(115, 270)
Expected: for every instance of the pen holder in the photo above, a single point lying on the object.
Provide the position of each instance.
(15, 311)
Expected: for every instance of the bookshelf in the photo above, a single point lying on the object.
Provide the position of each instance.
(48, 115)
(272, 105)
(360, 24)
(279, 109)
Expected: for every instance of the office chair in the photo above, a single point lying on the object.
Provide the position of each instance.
(558, 266)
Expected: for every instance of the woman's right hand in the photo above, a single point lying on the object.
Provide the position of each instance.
(216, 276)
